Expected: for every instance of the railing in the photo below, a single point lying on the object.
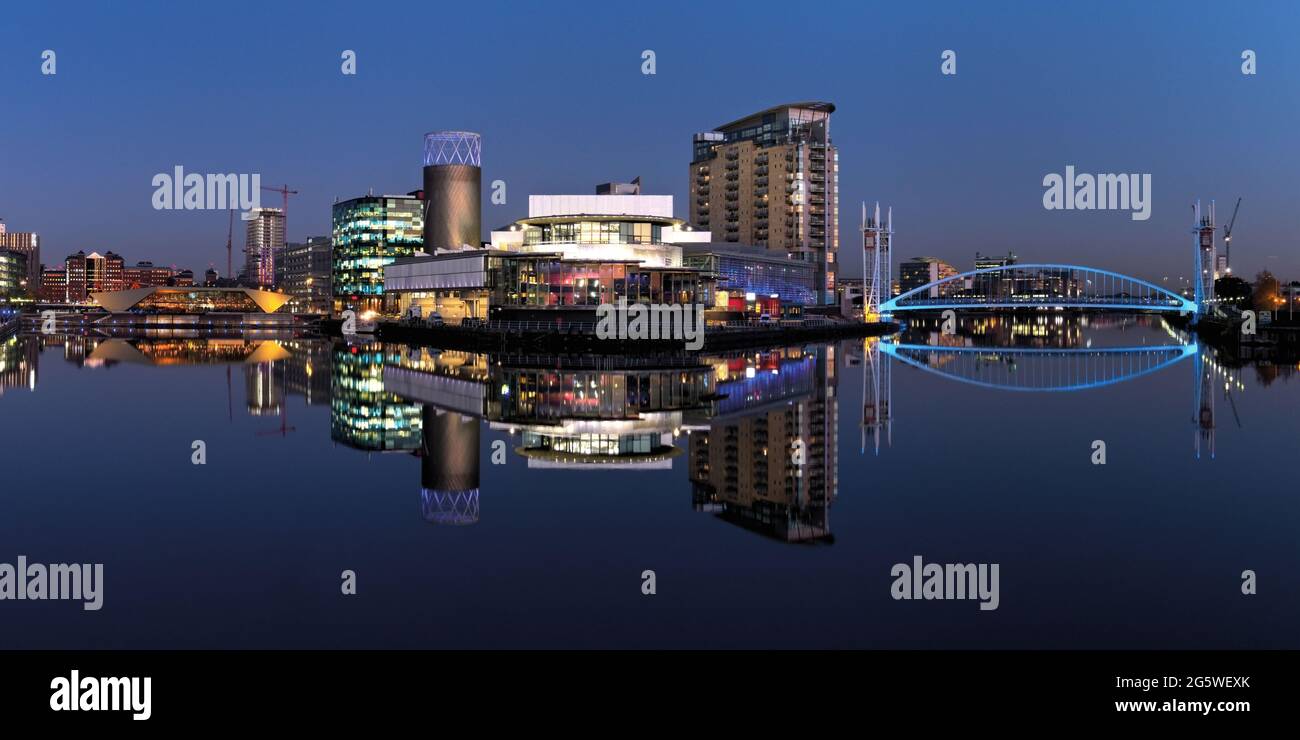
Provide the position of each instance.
(587, 327)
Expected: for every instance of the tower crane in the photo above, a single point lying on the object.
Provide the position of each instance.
(230, 234)
(1227, 238)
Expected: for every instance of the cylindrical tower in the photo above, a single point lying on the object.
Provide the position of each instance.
(452, 181)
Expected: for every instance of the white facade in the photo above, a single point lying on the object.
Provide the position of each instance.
(540, 206)
(443, 273)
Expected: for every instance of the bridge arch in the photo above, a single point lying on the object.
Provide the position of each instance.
(1042, 286)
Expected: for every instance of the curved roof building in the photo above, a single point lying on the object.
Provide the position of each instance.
(192, 300)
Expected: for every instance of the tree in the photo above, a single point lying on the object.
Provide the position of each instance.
(1267, 293)
(1234, 289)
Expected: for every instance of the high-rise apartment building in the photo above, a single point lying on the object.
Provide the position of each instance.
(27, 244)
(772, 179)
(264, 239)
(369, 233)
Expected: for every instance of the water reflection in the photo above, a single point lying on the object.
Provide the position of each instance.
(756, 432)
(760, 427)
(1041, 353)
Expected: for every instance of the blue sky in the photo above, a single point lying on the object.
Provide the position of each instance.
(557, 93)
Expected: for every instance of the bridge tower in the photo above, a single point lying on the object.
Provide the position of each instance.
(877, 263)
(1204, 410)
(1206, 257)
(877, 396)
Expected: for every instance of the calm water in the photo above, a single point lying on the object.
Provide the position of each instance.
(327, 456)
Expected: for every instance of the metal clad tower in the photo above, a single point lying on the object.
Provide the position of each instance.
(452, 182)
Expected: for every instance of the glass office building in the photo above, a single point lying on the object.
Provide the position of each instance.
(371, 232)
(13, 275)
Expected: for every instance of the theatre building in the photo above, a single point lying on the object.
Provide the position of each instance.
(572, 253)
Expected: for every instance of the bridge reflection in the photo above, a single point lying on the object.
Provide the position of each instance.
(1039, 370)
(1042, 369)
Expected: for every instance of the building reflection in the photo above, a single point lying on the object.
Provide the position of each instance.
(625, 414)
(759, 428)
(1057, 330)
(767, 460)
(363, 414)
(19, 361)
(449, 467)
(565, 412)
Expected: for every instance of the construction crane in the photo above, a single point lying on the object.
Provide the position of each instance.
(230, 235)
(1227, 239)
(284, 192)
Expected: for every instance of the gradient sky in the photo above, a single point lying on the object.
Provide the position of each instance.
(557, 93)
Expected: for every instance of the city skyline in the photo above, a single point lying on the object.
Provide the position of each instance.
(960, 158)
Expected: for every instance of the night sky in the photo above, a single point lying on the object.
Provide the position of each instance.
(557, 92)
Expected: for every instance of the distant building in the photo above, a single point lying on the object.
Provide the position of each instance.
(619, 188)
(369, 233)
(182, 279)
(54, 285)
(145, 274)
(27, 244)
(919, 271)
(996, 284)
(307, 270)
(84, 274)
(263, 239)
(210, 278)
(772, 179)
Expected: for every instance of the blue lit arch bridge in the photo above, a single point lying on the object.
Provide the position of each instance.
(1043, 286)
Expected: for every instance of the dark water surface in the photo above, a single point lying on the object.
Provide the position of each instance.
(327, 456)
